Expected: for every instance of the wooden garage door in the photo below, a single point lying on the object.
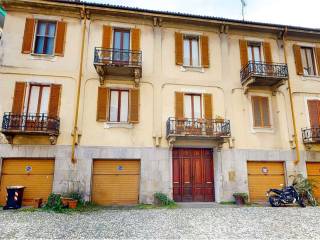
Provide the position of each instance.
(313, 170)
(262, 176)
(35, 174)
(115, 182)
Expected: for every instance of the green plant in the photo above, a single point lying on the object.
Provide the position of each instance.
(163, 199)
(54, 202)
(305, 187)
(76, 196)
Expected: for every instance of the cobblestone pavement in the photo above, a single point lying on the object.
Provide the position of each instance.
(186, 223)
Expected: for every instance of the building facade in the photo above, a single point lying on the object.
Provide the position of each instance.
(120, 103)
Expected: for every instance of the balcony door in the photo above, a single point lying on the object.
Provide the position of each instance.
(121, 46)
(37, 106)
(192, 106)
(193, 113)
(254, 52)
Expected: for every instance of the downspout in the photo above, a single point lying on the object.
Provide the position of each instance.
(291, 101)
(75, 124)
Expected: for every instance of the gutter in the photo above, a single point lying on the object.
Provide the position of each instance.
(75, 132)
(295, 134)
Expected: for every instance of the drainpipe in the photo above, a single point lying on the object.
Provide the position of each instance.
(291, 101)
(75, 124)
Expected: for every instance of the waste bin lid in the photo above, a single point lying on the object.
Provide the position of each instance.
(15, 187)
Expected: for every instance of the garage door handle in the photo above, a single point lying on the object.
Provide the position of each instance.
(186, 182)
(208, 182)
(175, 182)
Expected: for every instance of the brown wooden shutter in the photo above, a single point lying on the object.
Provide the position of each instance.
(102, 104)
(135, 44)
(134, 105)
(298, 60)
(135, 39)
(313, 107)
(204, 51)
(54, 101)
(243, 53)
(265, 111)
(256, 113)
(106, 37)
(179, 48)
(28, 35)
(267, 52)
(207, 98)
(318, 59)
(18, 98)
(60, 38)
(179, 101)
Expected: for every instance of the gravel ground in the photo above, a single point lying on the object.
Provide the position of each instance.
(186, 223)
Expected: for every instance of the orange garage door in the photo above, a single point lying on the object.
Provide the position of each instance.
(313, 170)
(262, 176)
(35, 174)
(115, 182)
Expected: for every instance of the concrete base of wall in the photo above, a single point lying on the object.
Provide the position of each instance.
(230, 166)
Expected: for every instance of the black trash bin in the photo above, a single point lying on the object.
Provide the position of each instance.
(14, 197)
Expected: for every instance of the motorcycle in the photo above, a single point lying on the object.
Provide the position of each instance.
(288, 195)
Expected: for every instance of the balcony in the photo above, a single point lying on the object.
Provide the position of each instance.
(30, 124)
(263, 74)
(198, 128)
(118, 62)
(311, 135)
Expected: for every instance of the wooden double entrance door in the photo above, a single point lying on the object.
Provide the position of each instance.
(193, 175)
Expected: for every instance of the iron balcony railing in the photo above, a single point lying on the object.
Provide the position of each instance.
(30, 123)
(262, 69)
(214, 128)
(311, 135)
(117, 57)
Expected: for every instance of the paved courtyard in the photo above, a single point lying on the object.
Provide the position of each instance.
(186, 223)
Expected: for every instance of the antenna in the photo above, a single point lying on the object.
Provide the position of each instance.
(244, 4)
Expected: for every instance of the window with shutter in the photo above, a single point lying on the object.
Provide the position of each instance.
(314, 113)
(192, 106)
(254, 52)
(44, 37)
(261, 111)
(119, 105)
(308, 61)
(191, 51)
(38, 99)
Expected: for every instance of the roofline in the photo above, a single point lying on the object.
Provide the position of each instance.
(186, 16)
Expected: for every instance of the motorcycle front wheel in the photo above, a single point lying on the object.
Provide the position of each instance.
(274, 201)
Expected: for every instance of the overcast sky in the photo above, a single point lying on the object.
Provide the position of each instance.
(290, 12)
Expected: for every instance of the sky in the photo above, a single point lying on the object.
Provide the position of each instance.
(303, 13)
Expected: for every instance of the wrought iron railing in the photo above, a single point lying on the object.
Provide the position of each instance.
(311, 135)
(262, 69)
(198, 127)
(117, 57)
(30, 123)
